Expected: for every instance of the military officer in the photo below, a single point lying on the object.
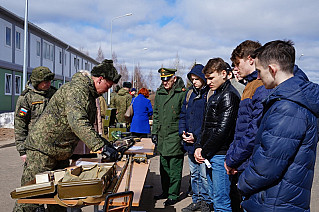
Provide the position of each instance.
(31, 104)
(122, 101)
(68, 118)
(167, 107)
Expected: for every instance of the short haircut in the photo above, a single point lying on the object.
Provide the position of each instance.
(243, 50)
(280, 52)
(144, 91)
(215, 64)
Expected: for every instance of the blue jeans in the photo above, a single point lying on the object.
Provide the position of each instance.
(219, 184)
(198, 180)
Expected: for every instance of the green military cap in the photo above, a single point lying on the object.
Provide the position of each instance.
(40, 74)
(106, 70)
(166, 73)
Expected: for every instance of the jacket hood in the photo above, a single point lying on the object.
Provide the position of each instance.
(197, 70)
(84, 77)
(123, 92)
(298, 90)
(299, 73)
(252, 76)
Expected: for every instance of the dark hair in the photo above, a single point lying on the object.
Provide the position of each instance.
(243, 50)
(215, 64)
(280, 52)
(144, 91)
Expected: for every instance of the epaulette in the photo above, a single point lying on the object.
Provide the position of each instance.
(24, 92)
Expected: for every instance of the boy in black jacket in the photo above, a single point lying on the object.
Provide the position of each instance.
(218, 131)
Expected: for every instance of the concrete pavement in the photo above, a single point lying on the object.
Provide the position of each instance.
(11, 170)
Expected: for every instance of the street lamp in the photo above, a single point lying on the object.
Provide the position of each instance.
(128, 14)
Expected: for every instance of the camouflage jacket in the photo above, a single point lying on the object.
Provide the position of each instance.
(29, 107)
(68, 118)
(121, 102)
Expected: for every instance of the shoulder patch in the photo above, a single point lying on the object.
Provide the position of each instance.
(23, 111)
(184, 89)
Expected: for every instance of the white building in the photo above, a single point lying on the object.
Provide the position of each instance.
(43, 50)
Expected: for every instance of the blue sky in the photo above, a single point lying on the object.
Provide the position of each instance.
(195, 30)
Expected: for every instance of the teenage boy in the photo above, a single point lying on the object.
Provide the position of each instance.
(280, 172)
(250, 108)
(190, 124)
(218, 131)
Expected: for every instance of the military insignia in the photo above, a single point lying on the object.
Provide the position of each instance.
(183, 89)
(23, 111)
(38, 102)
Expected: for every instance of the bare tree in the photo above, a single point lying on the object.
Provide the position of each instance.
(121, 69)
(100, 55)
(86, 52)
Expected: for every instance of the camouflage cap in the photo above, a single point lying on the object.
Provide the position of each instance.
(40, 74)
(166, 73)
(106, 70)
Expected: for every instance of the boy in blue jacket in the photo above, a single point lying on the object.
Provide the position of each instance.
(280, 172)
(190, 125)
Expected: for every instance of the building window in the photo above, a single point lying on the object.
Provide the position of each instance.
(65, 59)
(8, 83)
(86, 65)
(38, 48)
(18, 85)
(76, 64)
(48, 51)
(8, 36)
(18, 40)
(60, 57)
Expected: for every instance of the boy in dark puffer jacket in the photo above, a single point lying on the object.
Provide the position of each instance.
(280, 172)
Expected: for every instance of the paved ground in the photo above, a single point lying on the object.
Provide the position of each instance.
(11, 169)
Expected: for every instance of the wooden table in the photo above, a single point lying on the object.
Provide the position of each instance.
(138, 176)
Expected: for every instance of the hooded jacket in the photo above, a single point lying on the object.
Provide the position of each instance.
(30, 105)
(249, 117)
(280, 172)
(192, 114)
(68, 118)
(167, 108)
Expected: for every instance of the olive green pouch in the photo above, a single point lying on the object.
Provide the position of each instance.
(85, 182)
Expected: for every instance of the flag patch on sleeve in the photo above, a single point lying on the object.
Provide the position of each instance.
(23, 111)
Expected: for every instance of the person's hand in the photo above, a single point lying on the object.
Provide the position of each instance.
(155, 139)
(111, 153)
(198, 155)
(230, 170)
(188, 137)
(23, 158)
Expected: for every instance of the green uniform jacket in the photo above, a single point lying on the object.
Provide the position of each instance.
(121, 102)
(167, 108)
(29, 107)
(68, 118)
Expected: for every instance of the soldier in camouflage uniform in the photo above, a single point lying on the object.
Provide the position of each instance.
(165, 132)
(68, 118)
(122, 101)
(31, 104)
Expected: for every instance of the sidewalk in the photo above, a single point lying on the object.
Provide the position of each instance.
(11, 170)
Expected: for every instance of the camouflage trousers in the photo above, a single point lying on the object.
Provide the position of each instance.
(36, 163)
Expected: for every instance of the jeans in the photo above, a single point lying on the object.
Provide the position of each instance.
(198, 180)
(219, 184)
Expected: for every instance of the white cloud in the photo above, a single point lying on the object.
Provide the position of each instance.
(196, 30)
